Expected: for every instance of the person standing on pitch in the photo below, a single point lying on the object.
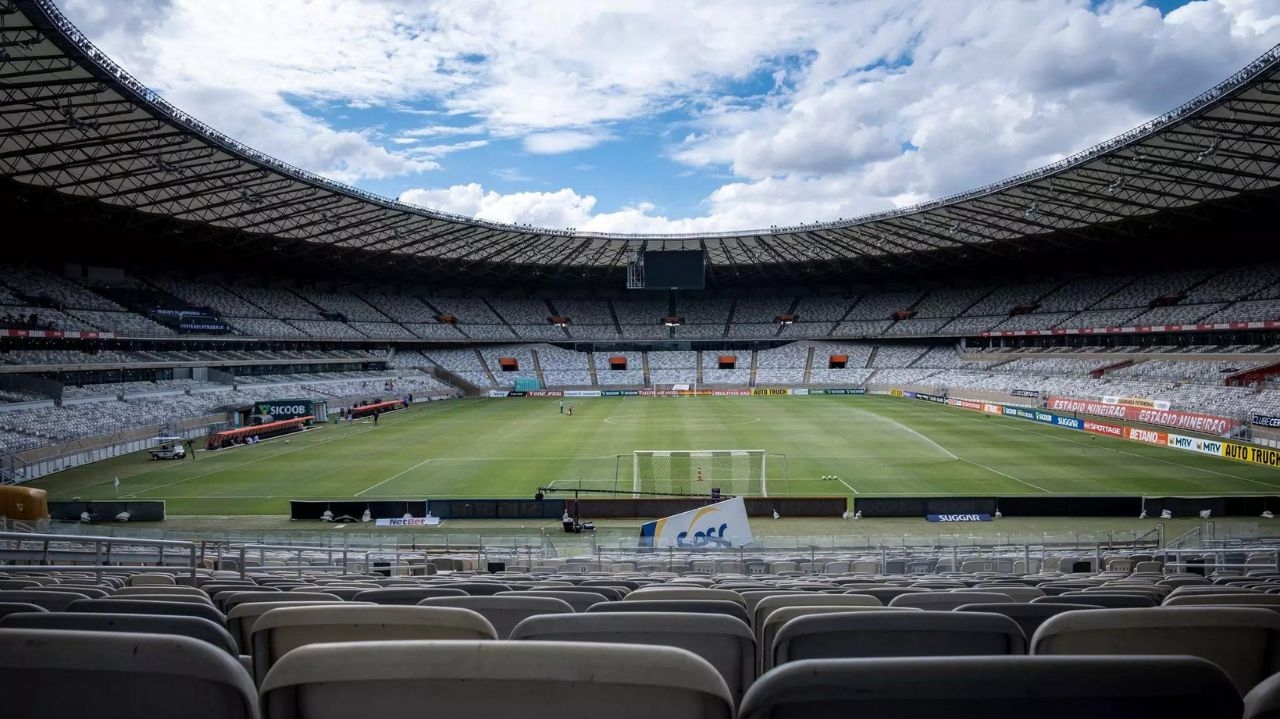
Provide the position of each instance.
(562, 406)
(191, 450)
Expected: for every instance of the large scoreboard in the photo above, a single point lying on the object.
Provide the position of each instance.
(675, 270)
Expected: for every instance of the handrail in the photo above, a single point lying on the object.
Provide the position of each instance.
(99, 543)
(153, 100)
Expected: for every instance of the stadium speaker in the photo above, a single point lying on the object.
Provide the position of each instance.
(495, 567)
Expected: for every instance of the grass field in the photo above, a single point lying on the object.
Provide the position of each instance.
(507, 448)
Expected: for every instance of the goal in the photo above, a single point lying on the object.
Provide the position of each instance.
(736, 472)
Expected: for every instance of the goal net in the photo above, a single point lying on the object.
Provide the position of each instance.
(738, 472)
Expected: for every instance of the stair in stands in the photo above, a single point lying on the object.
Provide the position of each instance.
(808, 365)
(591, 366)
(485, 365)
(644, 356)
(755, 364)
(537, 369)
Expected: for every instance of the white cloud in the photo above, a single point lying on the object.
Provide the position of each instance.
(981, 89)
(554, 143)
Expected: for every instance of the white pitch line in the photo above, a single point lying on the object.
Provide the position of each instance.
(397, 474)
(1002, 474)
(252, 461)
(899, 425)
(278, 454)
(850, 486)
(1131, 454)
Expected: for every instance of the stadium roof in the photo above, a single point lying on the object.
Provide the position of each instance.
(74, 123)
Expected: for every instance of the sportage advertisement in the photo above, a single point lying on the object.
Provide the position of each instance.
(1179, 419)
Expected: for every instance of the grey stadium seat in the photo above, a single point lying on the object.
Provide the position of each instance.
(993, 688)
(51, 601)
(1100, 599)
(7, 608)
(897, 633)
(531, 680)
(1028, 616)
(696, 606)
(580, 601)
(280, 631)
(945, 601)
(505, 612)
(194, 627)
(143, 606)
(1245, 643)
(1263, 701)
(726, 643)
(405, 596)
(107, 675)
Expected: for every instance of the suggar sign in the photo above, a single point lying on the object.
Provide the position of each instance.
(958, 517)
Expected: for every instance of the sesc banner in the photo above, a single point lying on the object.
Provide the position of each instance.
(723, 524)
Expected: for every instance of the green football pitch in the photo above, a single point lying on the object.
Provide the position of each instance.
(509, 447)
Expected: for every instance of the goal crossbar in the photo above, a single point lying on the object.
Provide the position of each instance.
(734, 471)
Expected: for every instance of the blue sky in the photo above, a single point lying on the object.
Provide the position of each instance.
(676, 115)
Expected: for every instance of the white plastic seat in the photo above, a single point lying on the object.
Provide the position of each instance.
(531, 680)
(896, 633)
(1245, 643)
(503, 612)
(993, 688)
(112, 675)
(723, 641)
(282, 630)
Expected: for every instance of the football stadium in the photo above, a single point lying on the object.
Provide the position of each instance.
(281, 438)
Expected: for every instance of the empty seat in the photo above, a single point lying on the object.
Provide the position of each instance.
(228, 602)
(160, 589)
(897, 634)
(993, 688)
(7, 608)
(696, 606)
(564, 680)
(1221, 600)
(1015, 594)
(769, 604)
(723, 641)
(1263, 701)
(19, 584)
(143, 606)
(1101, 599)
(1028, 616)
(54, 673)
(242, 617)
(506, 611)
(194, 627)
(405, 596)
(282, 630)
(475, 589)
(767, 633)
(677, 592)
(580, 601)
(945, 601)
(139, 580)
(1244, 642)
(52, 601)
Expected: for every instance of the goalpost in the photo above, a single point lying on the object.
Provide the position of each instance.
(737, 472)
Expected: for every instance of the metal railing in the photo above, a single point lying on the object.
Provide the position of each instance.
(13, 542)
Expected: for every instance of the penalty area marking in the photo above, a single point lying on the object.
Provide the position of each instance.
(1002, 474)
(388, 479)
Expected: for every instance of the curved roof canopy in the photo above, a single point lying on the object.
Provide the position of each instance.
(73, 122)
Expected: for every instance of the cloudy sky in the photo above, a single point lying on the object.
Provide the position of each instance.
(675, 115)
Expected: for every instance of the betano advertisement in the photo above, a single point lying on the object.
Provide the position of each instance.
(1178, 419)
(1264, 456)
(723, 524)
